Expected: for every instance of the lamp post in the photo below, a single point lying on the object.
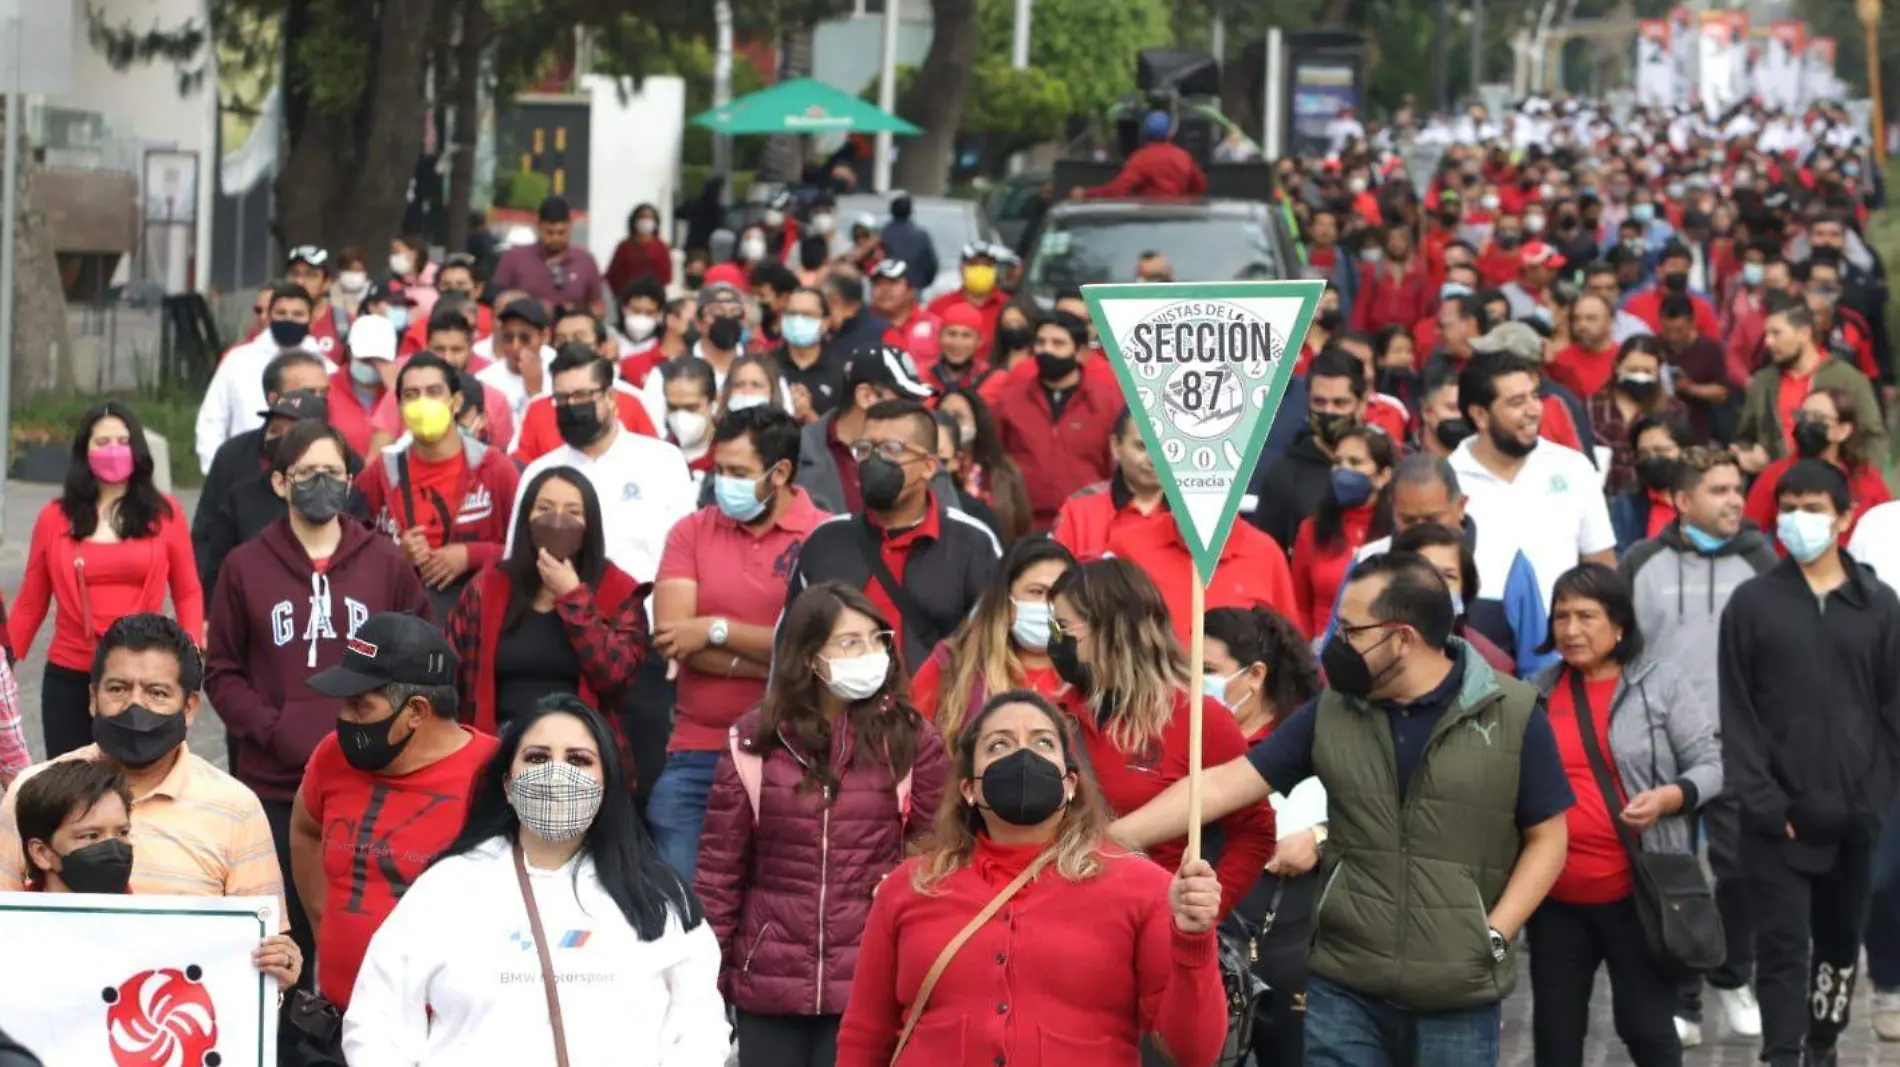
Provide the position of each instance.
(1869, 11)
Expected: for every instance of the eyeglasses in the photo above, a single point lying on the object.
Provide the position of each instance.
(850, 646)
(303, 475)
(518, 337)
(1349, 632)
(578, 397)
(895, 451)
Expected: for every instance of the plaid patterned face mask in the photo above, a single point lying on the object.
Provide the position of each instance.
(555, 800)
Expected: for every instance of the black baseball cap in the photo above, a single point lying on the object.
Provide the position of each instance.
(888, 366)
(528, 310)
(297, 405)
(315, 255)
(894, 269)
(389, 647)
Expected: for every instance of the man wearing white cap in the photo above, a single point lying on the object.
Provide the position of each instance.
(368, 373)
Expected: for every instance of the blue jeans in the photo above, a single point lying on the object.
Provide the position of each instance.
(1883, 915)
(678, 807)
(1345, 1029)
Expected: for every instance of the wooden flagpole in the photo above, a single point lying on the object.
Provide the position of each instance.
(1197, 638)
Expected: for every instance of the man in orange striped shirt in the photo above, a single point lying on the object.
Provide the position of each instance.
(196, 831)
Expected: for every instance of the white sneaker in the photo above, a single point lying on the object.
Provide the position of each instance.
(1690, 1033)
(1740, 1011)
(1887, 1014)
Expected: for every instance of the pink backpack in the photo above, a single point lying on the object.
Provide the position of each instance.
(751, 770)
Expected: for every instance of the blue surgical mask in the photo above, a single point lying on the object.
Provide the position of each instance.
(1030, 627)
(1351, 488)
(398, 314)
(738, 497)
(802, 331)
(1752, 273)
(1215, 686)
(1702, 540)
(1453, 289)
(1643, 212)
(1457, 605)
(1804, 534)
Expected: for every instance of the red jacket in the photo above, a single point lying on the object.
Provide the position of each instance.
(917, 335)
(1057, 456)
(1131, 779)
(608, 629)
(1088, 519)
(788, 893)
(1384, 300)
(1318, 571)
(1070, 975)
(636, 256)
(1158, 168)
(348, 414)
(275, 622)
(481, 502)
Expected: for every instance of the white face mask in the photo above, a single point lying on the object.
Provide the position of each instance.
(774, 218)
(824, 223)
(1030, 627)
(645, 227)
(859, 677)
(689, 427)
(1534, 223)
(1489, 203)
(353, 282)
(401, 264)
(752, 249)
(640, 327)
(742, 401)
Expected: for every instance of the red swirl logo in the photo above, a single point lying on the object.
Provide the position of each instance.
(162, 1018)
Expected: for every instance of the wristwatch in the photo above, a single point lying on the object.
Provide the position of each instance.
(1318, 831)
(718, 632)
(1498, 944)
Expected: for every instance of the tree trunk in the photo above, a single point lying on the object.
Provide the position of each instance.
(784, 156)
(466, 120)
(935, 100)
(42, 349)
(346, 179)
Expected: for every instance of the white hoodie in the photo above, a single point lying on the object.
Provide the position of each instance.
(452, 978)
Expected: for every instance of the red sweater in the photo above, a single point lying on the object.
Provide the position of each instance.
(1318, 571)
(1129, 781)
(1069, 974)
(128, 578)
(1158, 168)
(635, 256)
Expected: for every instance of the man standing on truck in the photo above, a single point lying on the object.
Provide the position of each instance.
(1158, 168)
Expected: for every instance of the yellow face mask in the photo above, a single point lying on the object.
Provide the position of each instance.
(979, 279)
(428, 418)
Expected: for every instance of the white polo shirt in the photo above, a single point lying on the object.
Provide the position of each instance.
(644, 488)
(1553, 511)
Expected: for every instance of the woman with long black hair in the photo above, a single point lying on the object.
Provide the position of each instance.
(1262, 670)
(548, 931)
(111, 545)
(555, 617)
(815, 801)
(1347, 518)
(989, 475)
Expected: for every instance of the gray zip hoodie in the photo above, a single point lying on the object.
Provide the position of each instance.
(1680, 593)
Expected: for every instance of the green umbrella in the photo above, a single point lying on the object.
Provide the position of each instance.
(804, 105)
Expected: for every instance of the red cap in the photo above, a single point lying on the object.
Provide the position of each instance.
(730, 273)
(1539, 254)
(963, 315)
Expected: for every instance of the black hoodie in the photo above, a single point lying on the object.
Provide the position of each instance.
(1811, 703)
(1292, 488)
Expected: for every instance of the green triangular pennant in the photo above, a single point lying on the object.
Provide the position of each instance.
(1203, 367)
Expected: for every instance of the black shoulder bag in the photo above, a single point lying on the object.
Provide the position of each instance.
(918, 621)
(1673, 900)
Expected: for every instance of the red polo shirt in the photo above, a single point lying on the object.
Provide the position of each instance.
(1088, 519)
(1252, 571)
(742, 577)
(895, 548)
(1582, 371)
(539, 435)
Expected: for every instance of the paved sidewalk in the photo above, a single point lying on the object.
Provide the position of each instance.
(1858, 1049)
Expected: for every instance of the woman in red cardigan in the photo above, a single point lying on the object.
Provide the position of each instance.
(555, 617)
(1329, 538)
(1128, 691)
(1093, 949)
(111, 545)
(642, 252)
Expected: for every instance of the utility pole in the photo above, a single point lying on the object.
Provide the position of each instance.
(722, 92)
(1869, 11)
(12, 22)
(886, 98)
(1019, 59)
(1477, 46)
(1441, 57)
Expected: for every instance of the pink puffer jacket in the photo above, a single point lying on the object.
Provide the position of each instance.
(788, 895)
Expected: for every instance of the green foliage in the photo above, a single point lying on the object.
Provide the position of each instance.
(523, 190)
(1087, 46)
(1015, 109)
(169, 410)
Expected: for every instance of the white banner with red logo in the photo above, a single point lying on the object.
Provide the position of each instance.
(138, 981)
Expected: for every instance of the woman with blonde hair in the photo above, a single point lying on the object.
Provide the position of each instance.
(1004, 644)
(1128, 691)
(1100, 947)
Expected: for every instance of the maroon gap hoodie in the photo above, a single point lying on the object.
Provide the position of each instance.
(275, 622)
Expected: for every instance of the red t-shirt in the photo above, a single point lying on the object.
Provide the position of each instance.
(1584, 372)
(379, 833)
(1661, 513)
(1596, 869)
(425, 502)
(1794, 389)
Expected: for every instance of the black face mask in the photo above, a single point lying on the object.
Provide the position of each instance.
(1023, 789)
(1347, 672)
(1014, 338)
(1328, 320)
(1640, 390)
(1676, 282)
(578, 424)
(1452, 432)
(1810, 438)
(1053, 368)
(319, 499)
(101, 867)
(1328, 425)
(1510, 240)
(724, 333)
(288, 334)
(367, 746)
(695, 279)
(881, 481)
(138, 736)
(1067, 661)
(1655, 473)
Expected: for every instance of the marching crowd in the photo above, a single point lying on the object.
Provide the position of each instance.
(611, 675)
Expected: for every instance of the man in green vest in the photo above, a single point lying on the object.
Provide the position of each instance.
(1446, 798)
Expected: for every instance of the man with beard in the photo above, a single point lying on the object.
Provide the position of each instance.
(1798, 367)
(1528, 494)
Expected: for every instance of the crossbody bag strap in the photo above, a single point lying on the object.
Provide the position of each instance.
(906, 602)
(547, 961)
(1599, 767)
(950, 950)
